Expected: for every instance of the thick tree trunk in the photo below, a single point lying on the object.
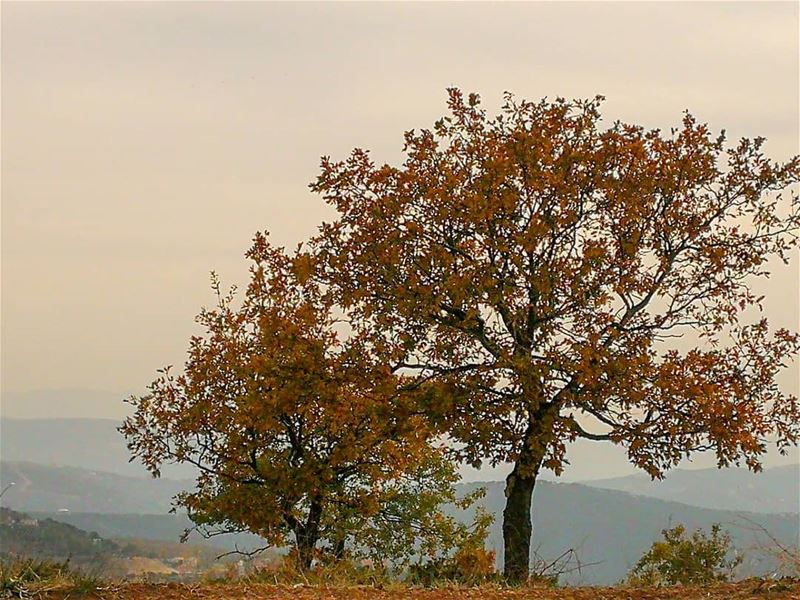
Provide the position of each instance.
(307, 536)
(305, 551)
(517, 527)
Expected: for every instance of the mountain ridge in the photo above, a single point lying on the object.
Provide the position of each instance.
(608, 530)
(774, 490)
(95, 443)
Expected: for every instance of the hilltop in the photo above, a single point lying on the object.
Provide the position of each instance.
(39, 537)
(26, 535)
(775, 490)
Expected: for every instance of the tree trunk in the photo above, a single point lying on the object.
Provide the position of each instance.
(338, 548)
(307, 536)
(517, 526)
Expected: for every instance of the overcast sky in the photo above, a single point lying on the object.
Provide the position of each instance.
(144, 143)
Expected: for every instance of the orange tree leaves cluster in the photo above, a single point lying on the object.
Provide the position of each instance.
(557, 279)
(298, 436)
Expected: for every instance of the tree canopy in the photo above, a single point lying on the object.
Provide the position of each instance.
(559, 279)
(298, 435)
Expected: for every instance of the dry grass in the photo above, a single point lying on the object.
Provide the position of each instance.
(34, 578)
(242, 591)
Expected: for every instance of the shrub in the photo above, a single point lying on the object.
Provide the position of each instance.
(465, 561)
(681, 560)
(469, 565)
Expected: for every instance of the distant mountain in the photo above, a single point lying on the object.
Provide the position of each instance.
(607, 527)
(162, 527)
(47, 488)
(774, 490)
(610, 530)
(93, 444)
(25, 535)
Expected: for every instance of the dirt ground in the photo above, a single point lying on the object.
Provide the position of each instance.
(145, 591)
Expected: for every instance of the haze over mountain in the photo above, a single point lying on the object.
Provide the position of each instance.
(47, 488)
(50, 488)
(95, 444)
(774, 490)
(608, 529)
(65, 404)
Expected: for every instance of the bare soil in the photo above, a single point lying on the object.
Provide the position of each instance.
(150, 591)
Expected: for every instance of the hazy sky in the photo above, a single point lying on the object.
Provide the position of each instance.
(144, 143)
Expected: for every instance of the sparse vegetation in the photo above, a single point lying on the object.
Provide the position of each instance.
(25, 535)
(250, 590)
(786, 556)
(678, 559)
(30, 577)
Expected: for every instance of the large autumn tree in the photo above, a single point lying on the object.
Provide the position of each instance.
(560, 279)
(300, 433)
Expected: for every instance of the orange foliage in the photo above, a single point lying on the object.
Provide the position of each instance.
(540, 268)
(294, 431)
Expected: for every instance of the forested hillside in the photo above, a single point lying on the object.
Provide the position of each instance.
(608, 530)
(31, 536)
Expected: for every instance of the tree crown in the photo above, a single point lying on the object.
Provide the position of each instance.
(540, 268)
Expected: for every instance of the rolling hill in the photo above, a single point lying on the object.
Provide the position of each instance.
(93, 444)
(25, 535)
(47, 488)
(608, 529)
(96, 445)
(774, 490)
(159, 527)
(82, 465)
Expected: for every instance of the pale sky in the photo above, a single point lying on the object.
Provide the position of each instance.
(144, 143)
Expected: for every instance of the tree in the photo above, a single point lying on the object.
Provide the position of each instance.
(295, 433)
(680, 560)
(559, 280)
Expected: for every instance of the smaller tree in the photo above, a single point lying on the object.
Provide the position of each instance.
(298, 435)
(410, 526)
(681, 560)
